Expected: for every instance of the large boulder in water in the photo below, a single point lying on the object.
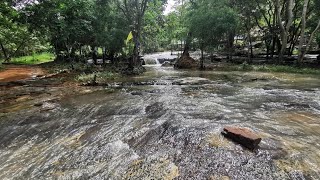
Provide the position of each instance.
(186, 62)
(243, 136)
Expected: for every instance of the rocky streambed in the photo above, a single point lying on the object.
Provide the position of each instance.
(165, 125)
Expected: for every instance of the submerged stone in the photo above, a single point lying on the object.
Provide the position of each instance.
(243, 136)
(166, 64)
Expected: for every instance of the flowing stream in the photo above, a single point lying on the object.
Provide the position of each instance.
(168, 126)
(153, 59)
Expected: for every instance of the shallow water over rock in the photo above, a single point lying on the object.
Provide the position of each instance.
(169, 127)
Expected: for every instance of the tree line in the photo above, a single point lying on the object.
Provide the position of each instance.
(74, 29)
(283, 26)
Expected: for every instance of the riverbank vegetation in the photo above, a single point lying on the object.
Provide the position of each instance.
(33, 59)
(268, 68)
(118, 32)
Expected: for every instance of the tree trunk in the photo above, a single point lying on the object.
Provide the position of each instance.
(187, 45)
(273, 47)
(104, 55)
(94, 54)
(134, 13)
(267, 42)
(294, 42)
(111, 55)
(251, 47)
(6, 58)
(73, 52)
(310, 41)
(284, 30)
(302, 33)
(202, 57)
(135, 57)
(294, 38)
(230, 44)
(249, 42)
(273, 36)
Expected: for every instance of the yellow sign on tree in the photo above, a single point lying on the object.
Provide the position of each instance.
(130, 36)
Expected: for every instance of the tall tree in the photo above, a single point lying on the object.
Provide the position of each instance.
(211, 22)
(68, 24)
(284, 28)
(14, 34)
(302, 33)
(134, 11)
(153, 31)
(304, 44)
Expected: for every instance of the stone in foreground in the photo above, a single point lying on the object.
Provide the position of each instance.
(243, 136)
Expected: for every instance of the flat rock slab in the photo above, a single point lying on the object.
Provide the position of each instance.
(243, 136)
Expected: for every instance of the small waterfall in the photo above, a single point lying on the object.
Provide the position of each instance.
(157, 61)
(152, 61)
(158, 58)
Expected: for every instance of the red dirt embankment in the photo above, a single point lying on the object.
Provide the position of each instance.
(20, 72)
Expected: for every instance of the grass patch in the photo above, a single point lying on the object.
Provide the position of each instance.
(270, 68)
(34, 59)
(100, 76)
(287, 69)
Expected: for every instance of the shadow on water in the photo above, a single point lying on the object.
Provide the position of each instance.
(170, 128)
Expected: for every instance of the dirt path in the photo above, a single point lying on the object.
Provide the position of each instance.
(20, 72)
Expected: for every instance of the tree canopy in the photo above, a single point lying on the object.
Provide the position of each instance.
(76, 28)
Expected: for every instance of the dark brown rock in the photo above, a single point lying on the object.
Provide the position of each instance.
(186, 62)
(38, 104)
(243, 136)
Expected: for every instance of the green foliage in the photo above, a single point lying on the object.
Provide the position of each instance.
(71, 25)
(68, 24)
(34, 59)
(318, 39)
(15, 38)
(246, 67)
(211, 21)
(175, 27)
(153, 36)
(110, 28)
(287, 69)
(74, 27)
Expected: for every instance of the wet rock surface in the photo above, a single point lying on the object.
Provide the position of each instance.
(155, 110)
(166, 126)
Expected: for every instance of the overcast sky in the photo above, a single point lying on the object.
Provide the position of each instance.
(169, 7)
